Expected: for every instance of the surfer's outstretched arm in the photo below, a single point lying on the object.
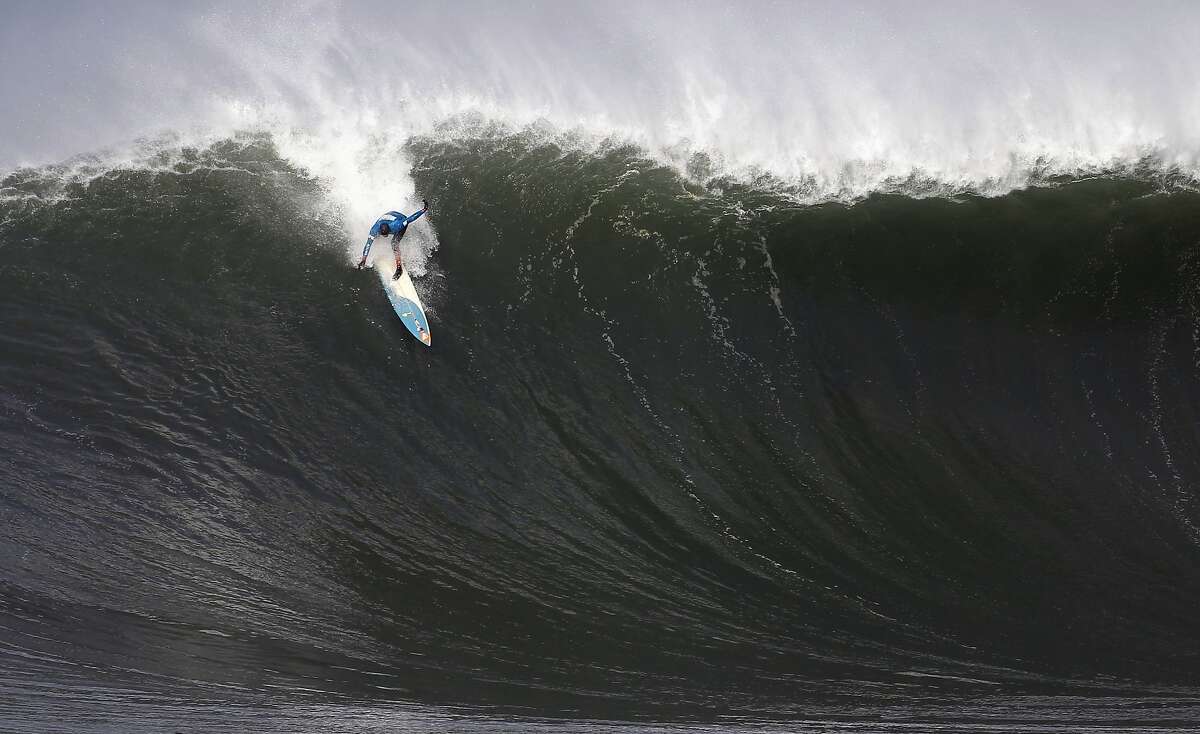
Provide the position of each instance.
(366, 250)
(417, 216)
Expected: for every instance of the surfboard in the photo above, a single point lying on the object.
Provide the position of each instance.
(405, 303)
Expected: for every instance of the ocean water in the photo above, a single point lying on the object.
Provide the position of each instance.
(777, 385)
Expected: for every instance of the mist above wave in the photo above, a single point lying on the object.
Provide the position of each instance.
(834, 101)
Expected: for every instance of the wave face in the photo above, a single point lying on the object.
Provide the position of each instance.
(678, 451)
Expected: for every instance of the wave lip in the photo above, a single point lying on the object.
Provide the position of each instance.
(835, 104)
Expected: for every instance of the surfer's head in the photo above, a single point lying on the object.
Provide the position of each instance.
(385, 229)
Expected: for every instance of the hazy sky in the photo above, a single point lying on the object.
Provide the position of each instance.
(795, 86)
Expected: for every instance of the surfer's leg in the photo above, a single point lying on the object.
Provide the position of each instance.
(399, 262)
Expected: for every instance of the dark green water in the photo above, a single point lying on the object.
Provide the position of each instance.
(678, 454)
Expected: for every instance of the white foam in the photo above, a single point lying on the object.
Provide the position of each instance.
(823, 100)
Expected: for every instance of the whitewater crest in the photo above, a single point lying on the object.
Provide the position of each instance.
(829, 105)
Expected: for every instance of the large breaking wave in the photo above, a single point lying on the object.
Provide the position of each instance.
(791, 364)
(679, 450)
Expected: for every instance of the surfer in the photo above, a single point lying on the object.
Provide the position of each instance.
(394, 224)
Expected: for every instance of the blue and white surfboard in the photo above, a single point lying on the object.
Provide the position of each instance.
(407, 305)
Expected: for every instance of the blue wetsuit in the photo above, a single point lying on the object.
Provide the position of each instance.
(397, 222)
